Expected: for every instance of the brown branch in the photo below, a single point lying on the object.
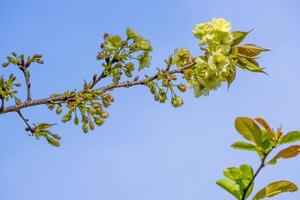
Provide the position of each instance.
(61, 97)
(27, 80)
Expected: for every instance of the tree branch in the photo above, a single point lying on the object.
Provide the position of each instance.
(61, 97)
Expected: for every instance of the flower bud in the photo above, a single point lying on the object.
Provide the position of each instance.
(99, 121)
(58, 110)
(85, 128)
(182, 87)
(176, 101)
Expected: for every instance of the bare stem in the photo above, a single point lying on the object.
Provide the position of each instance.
(29, 128)
(61, 97)
(27, 80)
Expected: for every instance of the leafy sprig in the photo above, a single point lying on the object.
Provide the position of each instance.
(262, 139)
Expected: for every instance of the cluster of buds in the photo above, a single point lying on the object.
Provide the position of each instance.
(20, 61)
(165, 86)
(7, 87)
(87, 105)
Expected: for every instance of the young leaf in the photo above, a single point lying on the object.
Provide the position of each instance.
(250, 50)
(243, 146)
(53, 142)
(238, 37)
(247, 63)
(44, 125)
(248, 129)
(230, 187)
(289, 152)
(264, 124)
(290, 137)
(275, 189)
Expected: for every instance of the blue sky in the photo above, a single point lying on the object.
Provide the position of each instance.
(145, 150)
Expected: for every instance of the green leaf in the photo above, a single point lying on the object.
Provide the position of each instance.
(264, 124)
(232, 173)
(230, 187)
(293, 136)
(248, 129)
(247, 63)
(289, 152)
(243, 146)
(274, 189)
(238, 37)
(53, 142)
(230, 78)
(246, 171)
(44, 125)
(250, 50)
(5, 64)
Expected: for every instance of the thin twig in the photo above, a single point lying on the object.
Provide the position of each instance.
(100, 77)
(27, 80)
(261, 166)
(29, 128)
(61, 97)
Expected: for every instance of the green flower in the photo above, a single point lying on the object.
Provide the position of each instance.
(220, 24)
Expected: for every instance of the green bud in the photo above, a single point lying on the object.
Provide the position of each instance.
(156, 97)
(85, 128)
(66, 118)
(128, 74)
(176, 101)
(91, 125)
(163, 99)
(182, 87)
(129, 66)
(5, 64)
(104, 115)
(76, 120)
(58, 110)
(84, 118)
(51, 106)
(152, 89)
(162, 92)
(99, 121)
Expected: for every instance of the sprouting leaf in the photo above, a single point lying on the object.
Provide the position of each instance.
(250, 50)
(53, 142)
(238, 37)
(275, 189)
(44, 125)
(264, 124)
(230, 187)
(248, 129)
(243, 146)
(289, 152)
(293, 136)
